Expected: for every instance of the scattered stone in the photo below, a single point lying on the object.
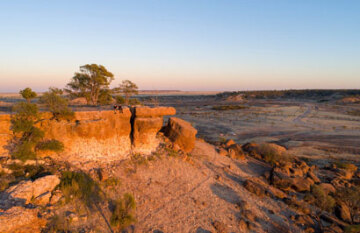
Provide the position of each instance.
(343, 212)
(219, 227)
(313, 177)
(25, 191)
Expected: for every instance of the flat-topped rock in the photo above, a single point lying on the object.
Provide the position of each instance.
(153, 112)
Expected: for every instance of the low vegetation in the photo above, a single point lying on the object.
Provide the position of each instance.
(228, 107)
(56, 104)
(122, 215)
(320, 198)
(78, 186)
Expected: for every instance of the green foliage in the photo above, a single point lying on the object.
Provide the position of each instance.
(105, 97)
(345, 166)
(228, 107)
(77, 185)
(27, 137)
(351, 197)
(53, 145)
(89, 82)
(28, 94)
(119, 99)
(122, 216)
(352, 229)
(56, 104)
(171, 152)
(128, 88)
(138, 159)
(321, 199)
(134, 102)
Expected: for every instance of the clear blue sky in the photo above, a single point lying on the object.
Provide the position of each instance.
(187, 45)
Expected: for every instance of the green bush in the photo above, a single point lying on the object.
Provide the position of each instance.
(134, 102)
(122, 216)
(322, 200)
(351, 197)
(119, 99)
(53, 145)
(27, 137)
(56, 104)
(352, 229)
(80, 186)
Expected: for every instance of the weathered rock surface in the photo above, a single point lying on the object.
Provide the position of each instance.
(147, 122)
(181, 133)
(38, 190)
(20, 220)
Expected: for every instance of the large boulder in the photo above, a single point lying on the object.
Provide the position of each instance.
(181, 133)
(21, 220)
(38, 190)
(147, 122)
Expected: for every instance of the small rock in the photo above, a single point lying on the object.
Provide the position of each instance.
(219, 227)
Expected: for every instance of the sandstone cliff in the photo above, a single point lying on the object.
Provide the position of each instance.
(99, 135)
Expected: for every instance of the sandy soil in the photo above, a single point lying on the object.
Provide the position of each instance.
(174, 195)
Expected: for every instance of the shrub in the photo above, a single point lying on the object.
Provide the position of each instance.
(134, 102)
(139, 159)
(122, 215)
(351, 197)
(119, 99)
(80, 186)
(352, 229)
(27, 137)
(322, 200)
(345, 166)
(53, 145)
(56, 104)
(228, 107)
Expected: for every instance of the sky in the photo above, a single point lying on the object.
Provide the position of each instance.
(204, 45)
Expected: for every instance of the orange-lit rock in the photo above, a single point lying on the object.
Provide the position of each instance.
(182, 133)
(147, 123)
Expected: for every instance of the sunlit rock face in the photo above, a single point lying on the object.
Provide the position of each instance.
(147, 122)
(99, 135)
(181, 133)
(94, 135)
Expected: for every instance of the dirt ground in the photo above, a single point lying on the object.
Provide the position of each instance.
(308, 129)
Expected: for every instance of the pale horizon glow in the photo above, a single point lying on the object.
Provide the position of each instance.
(203, 45)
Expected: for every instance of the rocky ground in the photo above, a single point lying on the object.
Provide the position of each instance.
(228, 188)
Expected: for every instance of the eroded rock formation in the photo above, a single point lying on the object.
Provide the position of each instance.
(181, 133)
(147, 122)
(99, 135)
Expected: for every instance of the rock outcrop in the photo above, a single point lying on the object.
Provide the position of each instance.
(21, 220)
(38, 191)
(96, 135)
(181, 133)
(147, 122)
(99, 135)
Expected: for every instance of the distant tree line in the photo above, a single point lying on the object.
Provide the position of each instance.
(295, 94)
